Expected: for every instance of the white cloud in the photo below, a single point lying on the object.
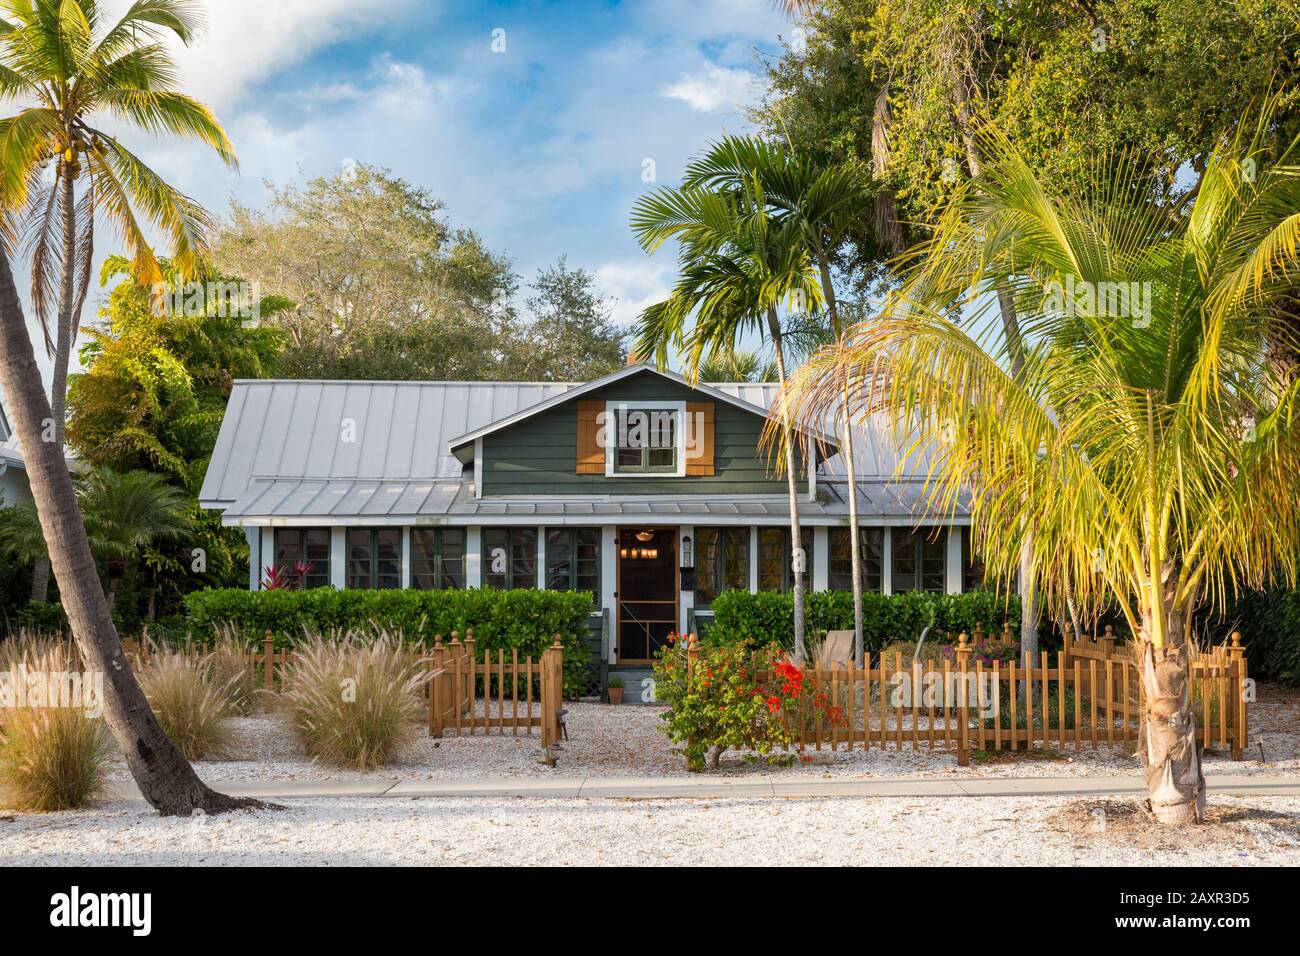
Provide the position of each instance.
(247, 41)
(714, 87)
(634, 284)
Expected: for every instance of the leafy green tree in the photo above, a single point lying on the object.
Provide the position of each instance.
(570, 335)
(129, 515)
(66, 66)
(1150, 442)
(152, 395)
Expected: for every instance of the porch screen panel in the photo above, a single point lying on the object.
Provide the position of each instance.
(721, 562)
(920, 559)
(510, 558)
(308, 546)
(871, 549)
(374, 558)
(573, 560)
(775, 561)
(437, 558)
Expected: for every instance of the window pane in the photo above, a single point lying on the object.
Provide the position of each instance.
(424, 558)
(841, 560)
(452, 557)
(920, 559)
(559, 557)
(496, 558)
(904, 560)
(735, 559)
(773, 547)
(288, 547)
(934, 554)
(523, 558)
(360, 559)
(707, 563)
(647, 439)
(972, 568)
(388, 548)
(316, 552)
(586, 558)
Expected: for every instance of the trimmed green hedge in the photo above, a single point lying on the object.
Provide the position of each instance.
(768, 616)
(525, 620)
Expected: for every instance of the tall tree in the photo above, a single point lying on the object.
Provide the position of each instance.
(741, 266)
(823, 203)
(166, 779)
(151, 397)
(66, 66)
(570, 335)
(1148, 441)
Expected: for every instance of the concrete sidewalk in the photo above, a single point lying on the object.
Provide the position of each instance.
(705, 787)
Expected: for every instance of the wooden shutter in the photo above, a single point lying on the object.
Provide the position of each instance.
(591, 456)
(699, 460)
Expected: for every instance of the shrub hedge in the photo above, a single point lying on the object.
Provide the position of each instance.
(526, 620)
(759, 619)
(1269, 622)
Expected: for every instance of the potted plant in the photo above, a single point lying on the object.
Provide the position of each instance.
(614, 688)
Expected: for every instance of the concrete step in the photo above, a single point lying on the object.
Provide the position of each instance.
(638, 683)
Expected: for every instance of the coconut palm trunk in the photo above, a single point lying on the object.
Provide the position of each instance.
(164, 776)
(796, 543)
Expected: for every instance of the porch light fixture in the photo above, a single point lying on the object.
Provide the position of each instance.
(688, 552)
(645, 536)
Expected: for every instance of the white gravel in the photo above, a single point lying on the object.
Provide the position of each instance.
(909, 831)
(627, 741)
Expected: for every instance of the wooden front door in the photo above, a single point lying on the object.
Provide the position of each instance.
(647, 591)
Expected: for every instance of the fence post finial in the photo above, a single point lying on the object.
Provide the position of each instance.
(437, 640)
(1006, 631)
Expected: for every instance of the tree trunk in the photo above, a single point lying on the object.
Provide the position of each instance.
(164, 776)
(1167, 740)
(41, 580)
(65, 332)
(796, 543)
(850, 464)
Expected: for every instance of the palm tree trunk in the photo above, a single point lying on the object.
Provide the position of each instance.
(796, 543)
(850, 466)
(164, 776)
(64, 336)
(40, 580)
(1167, 740)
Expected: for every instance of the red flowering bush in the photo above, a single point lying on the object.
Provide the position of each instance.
(735, 697)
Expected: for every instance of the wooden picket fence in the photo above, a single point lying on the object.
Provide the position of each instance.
(463, 695)
(1090, 698)
(469, 696)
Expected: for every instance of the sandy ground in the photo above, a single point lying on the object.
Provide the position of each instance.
(896, 831)
(626, 741)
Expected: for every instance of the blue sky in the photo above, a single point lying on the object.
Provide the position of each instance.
(539, 147)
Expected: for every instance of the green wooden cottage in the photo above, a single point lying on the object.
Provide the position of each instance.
(650, 493)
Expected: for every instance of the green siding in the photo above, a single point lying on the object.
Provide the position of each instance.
(538, 456)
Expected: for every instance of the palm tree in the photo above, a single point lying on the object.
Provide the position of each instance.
(741, 265)
(68, 66)
(164, 776)
(1147, 444)
(22, 538)
(823, 203)
(738, 366)
(128, 513)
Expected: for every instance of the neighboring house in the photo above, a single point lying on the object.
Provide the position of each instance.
(13, 470)
(510, 485)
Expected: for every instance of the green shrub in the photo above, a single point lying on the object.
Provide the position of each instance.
(1269, 622)
(353, 701)
(523, 620)
(41, 617)
(766, 617)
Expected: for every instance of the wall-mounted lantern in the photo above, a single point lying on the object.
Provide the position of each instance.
(687, 571)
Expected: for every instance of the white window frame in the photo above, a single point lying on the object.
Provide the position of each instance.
(611, 445)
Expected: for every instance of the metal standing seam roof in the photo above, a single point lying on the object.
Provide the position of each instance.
(281, 452)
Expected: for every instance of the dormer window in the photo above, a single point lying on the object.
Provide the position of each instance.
(644, 438)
